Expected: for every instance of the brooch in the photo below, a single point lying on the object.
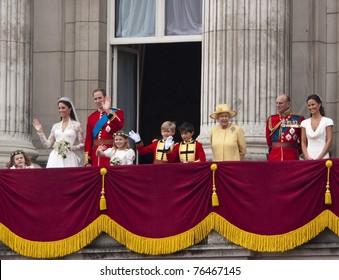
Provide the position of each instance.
(108, 129)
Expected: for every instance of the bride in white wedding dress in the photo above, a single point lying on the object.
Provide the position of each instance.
(63, 137)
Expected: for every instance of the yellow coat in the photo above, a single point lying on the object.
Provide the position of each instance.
(228, 144)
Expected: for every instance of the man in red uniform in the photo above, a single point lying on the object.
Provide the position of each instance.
(283, 132)
(101, 125)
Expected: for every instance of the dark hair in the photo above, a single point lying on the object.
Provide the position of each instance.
(317, 99)
(186, 127)
(69, 105)
(100, 89)
(18, 152)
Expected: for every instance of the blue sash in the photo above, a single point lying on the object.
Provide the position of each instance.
(100, 123)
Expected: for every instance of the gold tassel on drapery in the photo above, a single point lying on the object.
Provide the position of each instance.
(215, 199)
(328, 197)
(103, 205)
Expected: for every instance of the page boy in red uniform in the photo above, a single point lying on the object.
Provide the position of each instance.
(189, 150)
(159, 148)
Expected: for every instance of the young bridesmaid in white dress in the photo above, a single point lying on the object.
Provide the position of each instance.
(120, 153)
(316, 131)
(19, 160)
(63, 137)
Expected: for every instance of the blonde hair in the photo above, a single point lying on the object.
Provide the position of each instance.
(168, 125)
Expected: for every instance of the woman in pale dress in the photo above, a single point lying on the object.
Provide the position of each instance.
(121, 152)
(316, 131)
(66, 137)
(227, 139)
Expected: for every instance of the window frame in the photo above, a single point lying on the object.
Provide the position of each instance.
(159, 37)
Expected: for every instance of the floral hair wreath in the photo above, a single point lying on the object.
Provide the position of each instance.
(120, 133)
(17, 152)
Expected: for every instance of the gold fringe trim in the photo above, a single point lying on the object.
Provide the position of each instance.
(171, 244)
(333, 222)
(271, 243)
(138, 244)
(158, 246)
(50, 249)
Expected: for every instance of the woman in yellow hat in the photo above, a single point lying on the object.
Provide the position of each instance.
(227, 139)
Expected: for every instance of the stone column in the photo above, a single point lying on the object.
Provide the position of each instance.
(246, 62)
(15, 74)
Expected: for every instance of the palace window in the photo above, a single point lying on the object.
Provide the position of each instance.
(156, 20)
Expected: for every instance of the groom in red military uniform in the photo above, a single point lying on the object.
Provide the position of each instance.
(101, 125)
(283, 132)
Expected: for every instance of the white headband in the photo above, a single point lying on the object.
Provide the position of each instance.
(72, 105)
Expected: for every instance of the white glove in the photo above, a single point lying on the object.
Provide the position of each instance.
(134, 136)
(169, 142)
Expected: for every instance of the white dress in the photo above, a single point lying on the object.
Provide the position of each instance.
(26, 166)
(316, 139)
(72, 132)
(126, 156)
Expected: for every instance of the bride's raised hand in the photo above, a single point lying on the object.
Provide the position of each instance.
(37, 125)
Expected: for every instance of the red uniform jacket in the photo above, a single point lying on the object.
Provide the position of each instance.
(157, 148)
(283, 137)
(190, 151)
(104, 137)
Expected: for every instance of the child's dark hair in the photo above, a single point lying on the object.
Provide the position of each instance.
(18, 152)
(186, 127)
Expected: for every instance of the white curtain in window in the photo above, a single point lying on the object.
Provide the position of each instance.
(183, 17)
(135, 18)
(127, 87)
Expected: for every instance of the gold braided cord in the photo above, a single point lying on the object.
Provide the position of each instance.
(328, 197)
(215, 199)
(103, 203)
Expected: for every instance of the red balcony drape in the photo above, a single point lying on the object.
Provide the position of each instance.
(160, 209)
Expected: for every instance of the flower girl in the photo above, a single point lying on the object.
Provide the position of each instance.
(120, 153)
(19, 160)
